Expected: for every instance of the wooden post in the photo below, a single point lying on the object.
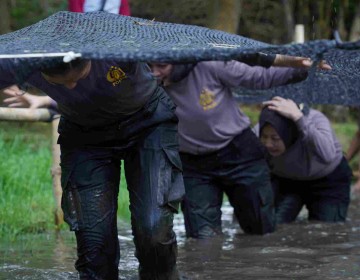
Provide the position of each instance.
(289, 19)
(227, 16)
(56, 173)
(34, 115)
(5, 26)
(299, 33)
(355, 27)
(22, 114)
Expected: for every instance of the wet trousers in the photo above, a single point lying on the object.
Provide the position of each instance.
(90, 182)
(240, 171)
(327, 199)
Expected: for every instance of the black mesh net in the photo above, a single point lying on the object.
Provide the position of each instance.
(338, 86)
(102, 35)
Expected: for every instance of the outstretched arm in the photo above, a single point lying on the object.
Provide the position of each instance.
(236, 74)
(298, 62)
(280, 60)
(19, 98)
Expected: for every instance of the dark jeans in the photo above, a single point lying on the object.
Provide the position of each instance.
(240, 171)
(90, 181)
(327, 199)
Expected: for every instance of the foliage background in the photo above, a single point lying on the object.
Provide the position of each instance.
(266, 20)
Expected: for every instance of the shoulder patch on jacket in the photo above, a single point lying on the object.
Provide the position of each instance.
(115, 75)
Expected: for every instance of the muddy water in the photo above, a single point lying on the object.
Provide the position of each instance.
(302, 250)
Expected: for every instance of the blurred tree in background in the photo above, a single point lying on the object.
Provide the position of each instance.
(270, 21)
(16, 14)
(273, 21)
(5, 16)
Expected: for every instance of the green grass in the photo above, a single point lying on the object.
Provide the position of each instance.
(26, 200)
(252, 111)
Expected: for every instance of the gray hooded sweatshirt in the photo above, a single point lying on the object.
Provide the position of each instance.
(315, 154)
(209, 115)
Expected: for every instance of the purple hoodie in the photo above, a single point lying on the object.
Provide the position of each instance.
(209, 116)
(315, 154)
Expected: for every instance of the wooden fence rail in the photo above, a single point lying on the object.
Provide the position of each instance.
(42, 115)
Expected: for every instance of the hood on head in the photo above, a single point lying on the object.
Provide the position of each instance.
(285, 127)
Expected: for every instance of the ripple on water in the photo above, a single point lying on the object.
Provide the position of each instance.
(302, 250)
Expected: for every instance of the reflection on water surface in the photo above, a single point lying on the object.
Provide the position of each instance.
(301, 250)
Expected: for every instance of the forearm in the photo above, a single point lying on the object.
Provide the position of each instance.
(280, 60)
(257, 59)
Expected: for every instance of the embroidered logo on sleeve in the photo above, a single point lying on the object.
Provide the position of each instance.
(207, 99)
(115, 75)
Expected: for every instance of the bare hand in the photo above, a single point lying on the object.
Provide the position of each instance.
(19, 98)
(298, 62)
(285, 107)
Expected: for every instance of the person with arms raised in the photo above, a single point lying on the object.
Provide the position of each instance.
(306, 162)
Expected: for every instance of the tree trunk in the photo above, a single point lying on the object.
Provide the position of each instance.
(228, 16)
(44, 4)
(299, 12)
(355, 27)
(5, 16)
(341, 23)
(318, 19)
(289, 20)
(56, 173)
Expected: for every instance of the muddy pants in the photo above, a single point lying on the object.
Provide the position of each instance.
(327, 199)
(90, 181)
(240, 171)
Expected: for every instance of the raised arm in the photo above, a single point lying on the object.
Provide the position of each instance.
(236, 74)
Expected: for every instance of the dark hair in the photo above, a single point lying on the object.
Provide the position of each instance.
(62, 68)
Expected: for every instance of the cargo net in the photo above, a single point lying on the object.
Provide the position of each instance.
(337, 86)
(103, 35)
